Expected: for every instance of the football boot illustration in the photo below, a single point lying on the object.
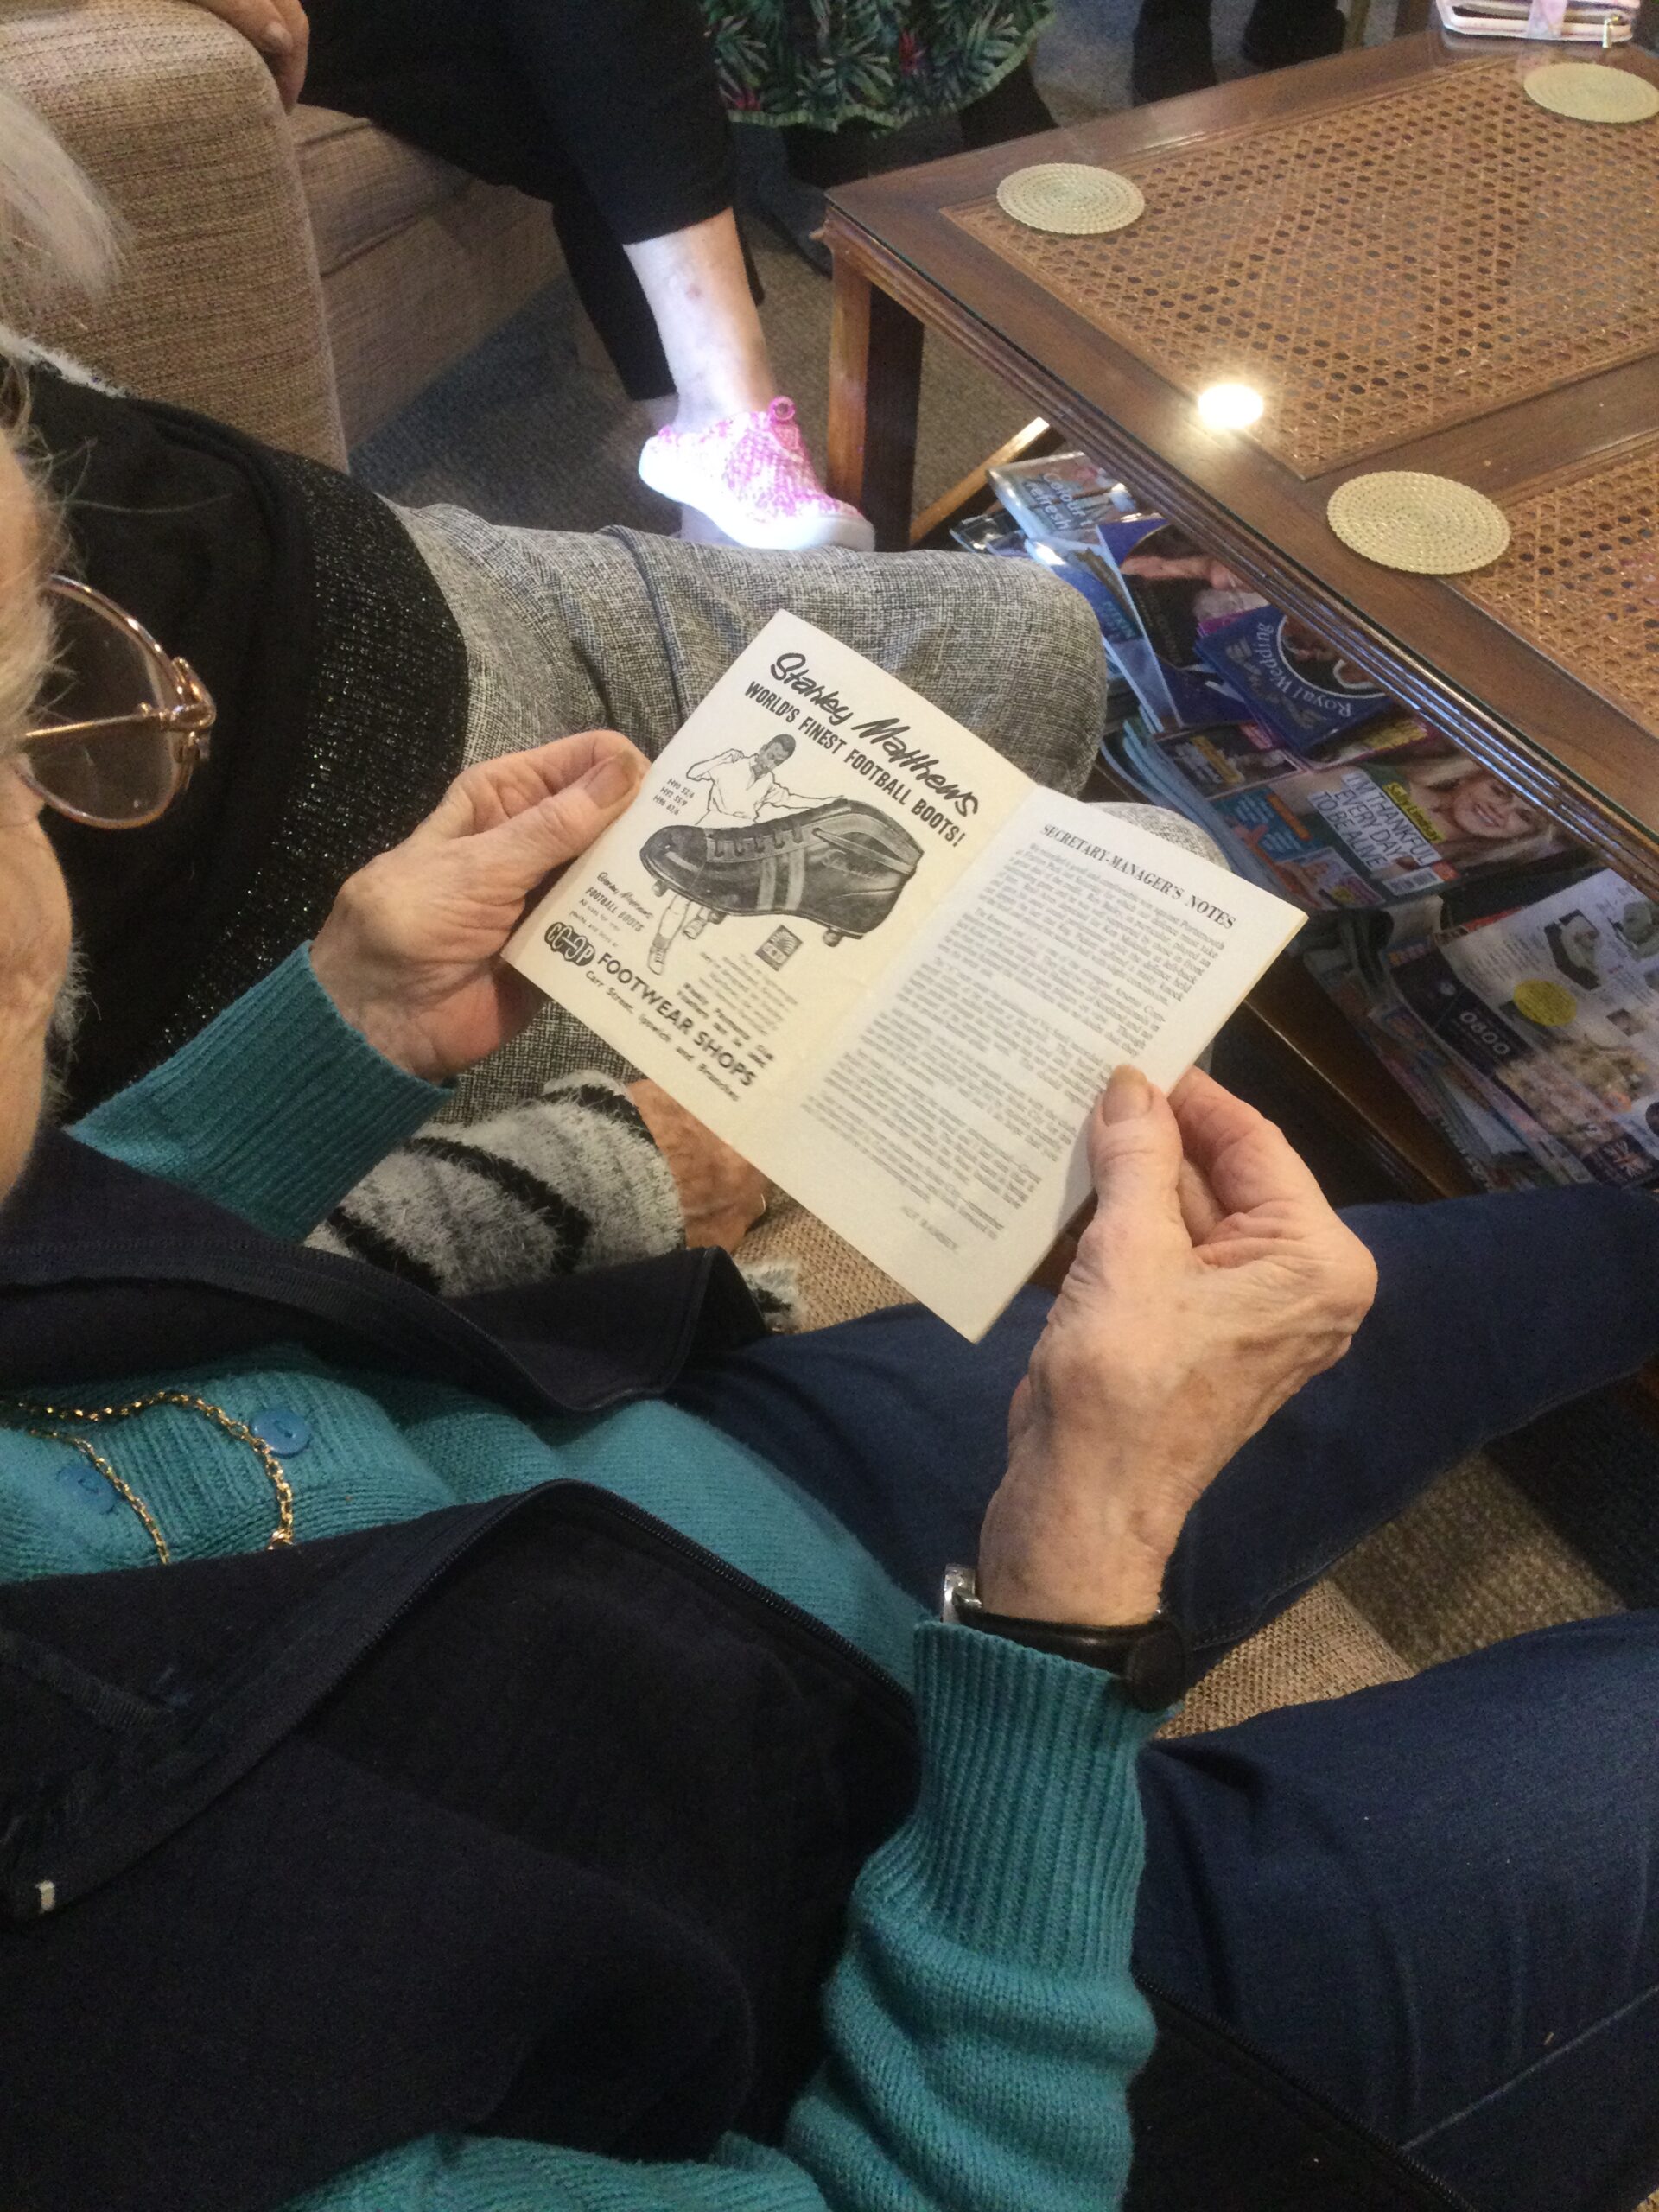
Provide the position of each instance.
(842, 865)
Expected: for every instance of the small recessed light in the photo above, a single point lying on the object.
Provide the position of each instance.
(1229, 406)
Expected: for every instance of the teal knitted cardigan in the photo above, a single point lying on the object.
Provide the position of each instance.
(981, 2023)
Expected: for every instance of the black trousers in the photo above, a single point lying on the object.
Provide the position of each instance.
(607, 109)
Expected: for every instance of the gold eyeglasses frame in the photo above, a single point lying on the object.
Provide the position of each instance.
(185, 721)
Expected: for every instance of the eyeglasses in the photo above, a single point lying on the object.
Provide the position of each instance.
(121, 726)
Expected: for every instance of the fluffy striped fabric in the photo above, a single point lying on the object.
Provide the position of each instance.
(562, 1183)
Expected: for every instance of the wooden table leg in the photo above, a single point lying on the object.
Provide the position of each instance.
(875, 381)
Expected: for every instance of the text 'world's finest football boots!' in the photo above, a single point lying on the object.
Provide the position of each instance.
(842, 865)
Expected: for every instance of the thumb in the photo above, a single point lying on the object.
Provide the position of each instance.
(558, 828)
(1134, 1156)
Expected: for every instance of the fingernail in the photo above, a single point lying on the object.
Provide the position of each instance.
(1129, 1095)
(612, 781)
(275, 38)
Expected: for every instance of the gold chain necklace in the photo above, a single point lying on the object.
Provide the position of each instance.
(22, 1413)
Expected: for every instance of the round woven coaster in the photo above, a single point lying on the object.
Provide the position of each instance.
(1070, 197)
(1427, 524)
(1590, 93)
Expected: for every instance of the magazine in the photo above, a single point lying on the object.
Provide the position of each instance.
(1232, 756)
(1298, 685)
(1059, 500)
(1082, 565)
(994, 531)
(887, 967)
(1229, 757)
(1530, 1038)
(1388, 813)
(1091, 576)
(1554, 1005)
(1501, 1144)
(1174, 588)
(1366, 831)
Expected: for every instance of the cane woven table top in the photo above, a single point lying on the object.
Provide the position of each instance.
(1580, 580)
(1380, 270)
(1421, 271)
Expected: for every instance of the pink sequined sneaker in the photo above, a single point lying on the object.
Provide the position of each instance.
(751, 476)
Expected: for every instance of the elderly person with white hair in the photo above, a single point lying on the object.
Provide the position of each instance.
(493, 1755)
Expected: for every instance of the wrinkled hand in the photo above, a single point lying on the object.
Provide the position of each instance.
(280, 31)
(410, 953)
(1212, 1282)
(720, 1195)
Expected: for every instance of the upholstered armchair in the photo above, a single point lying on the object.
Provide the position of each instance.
(301, 276)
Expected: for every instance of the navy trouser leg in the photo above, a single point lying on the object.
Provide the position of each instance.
(1438, 1901)
(1488, 1312)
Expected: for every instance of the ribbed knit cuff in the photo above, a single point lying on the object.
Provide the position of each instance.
(1027, 1842)
(275, 1110)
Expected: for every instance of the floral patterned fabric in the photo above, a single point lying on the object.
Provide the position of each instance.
(825, 62)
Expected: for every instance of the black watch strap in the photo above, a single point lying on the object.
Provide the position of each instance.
(1151, 1659)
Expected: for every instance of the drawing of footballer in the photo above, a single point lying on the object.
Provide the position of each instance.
(838, 861)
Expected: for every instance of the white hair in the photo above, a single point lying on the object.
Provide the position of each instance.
(57, 240)
(25, 630)
(57, 237)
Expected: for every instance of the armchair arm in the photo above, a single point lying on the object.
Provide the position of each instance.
(218, 306)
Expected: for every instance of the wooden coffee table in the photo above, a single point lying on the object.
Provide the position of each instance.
(1417, 268)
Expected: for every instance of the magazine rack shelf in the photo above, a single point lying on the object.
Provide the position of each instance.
(1318, 1050)
(1311, 1046)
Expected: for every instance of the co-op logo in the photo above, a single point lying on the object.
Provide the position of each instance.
(570, 944)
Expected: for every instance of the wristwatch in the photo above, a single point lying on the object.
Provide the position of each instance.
(1151, 1659)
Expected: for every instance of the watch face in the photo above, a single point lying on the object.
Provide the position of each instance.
(959, 1585)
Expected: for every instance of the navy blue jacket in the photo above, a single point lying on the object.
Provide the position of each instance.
(529, 1818)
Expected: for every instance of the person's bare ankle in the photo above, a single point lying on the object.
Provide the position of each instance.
(720, 401)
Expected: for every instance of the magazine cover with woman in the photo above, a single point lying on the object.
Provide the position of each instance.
(1384, 824)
